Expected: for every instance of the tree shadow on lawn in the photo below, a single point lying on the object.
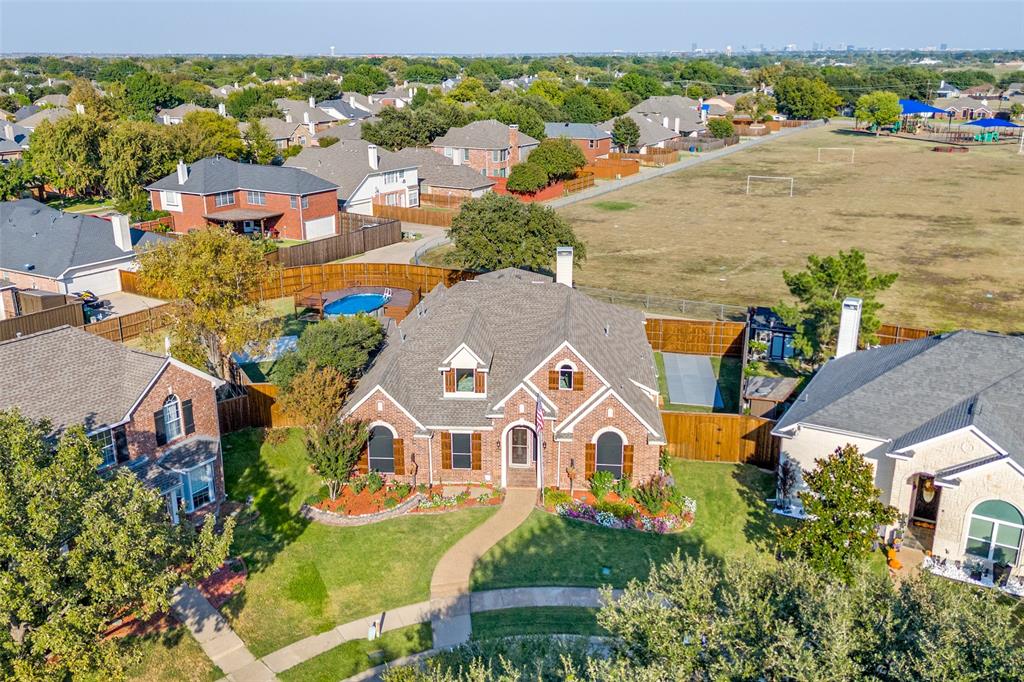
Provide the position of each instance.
(755, 487)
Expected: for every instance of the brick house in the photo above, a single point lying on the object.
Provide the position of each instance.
(593, 141)
(49, 250)
(939, 420)
(490, 148)
(151, 414)
(457, 393)
(439, 176)
(251, 197)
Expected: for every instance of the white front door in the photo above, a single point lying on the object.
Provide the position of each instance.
(520, 447)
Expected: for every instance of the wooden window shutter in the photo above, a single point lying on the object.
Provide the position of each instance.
(446, 450)
(577, 381)
(121, 445)
(479, 379)
(552, 379)
(160, 427)
(449, 381)
(476, 452)
(627, 460)
(189, 419)
(398, 449)
(590, 463)
(363, 463)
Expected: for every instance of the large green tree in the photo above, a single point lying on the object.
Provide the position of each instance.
(66, 153)
(78, 550)
(879, 109)
(843, 514)
(259, 148)
(820, 290)
(642, 85)
(527, 178)
(343, 344)
(559, 157)
(135, 153)
(498, 231)
(757, 105)
(206, 133)
(145, 92)
(806, 98)
(625, 133)
(208, 276)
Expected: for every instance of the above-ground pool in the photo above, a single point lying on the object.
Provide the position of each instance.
(354, 304)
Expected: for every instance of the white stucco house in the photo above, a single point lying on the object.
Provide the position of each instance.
(941, 420)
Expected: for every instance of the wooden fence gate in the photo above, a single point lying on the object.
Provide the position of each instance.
(721, 438)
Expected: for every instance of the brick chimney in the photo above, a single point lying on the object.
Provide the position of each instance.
(372, 158)
(122, 231)
(513, 141)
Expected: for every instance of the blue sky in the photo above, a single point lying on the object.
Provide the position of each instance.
(494, 26)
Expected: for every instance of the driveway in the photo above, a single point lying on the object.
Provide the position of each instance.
(401, 252)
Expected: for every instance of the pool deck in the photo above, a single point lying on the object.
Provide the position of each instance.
(397, 307)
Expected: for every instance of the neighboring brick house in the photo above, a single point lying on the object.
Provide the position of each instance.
(306, 113)
(362, 173)
(153, 415)
(439, 176)
(46, 249)
(454, 396)
(940, 421)
(490, 148)
(251, 197)
(683, 115)
(593, 141)
(13, 141)
(653, 135)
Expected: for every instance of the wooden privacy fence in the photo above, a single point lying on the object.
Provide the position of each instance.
(610, 169)
(438, 217)
(889, 334)
(696, 336)
(657, 157)
(256, 407)
(721, 438)
(164, 224)
(349, 243)
(442, 200)
(67, 314)
(131, 326)
(583, 180)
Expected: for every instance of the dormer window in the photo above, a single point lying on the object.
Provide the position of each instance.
(465, 380)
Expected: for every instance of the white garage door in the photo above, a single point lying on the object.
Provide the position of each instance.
(98, 282)
(321, 227)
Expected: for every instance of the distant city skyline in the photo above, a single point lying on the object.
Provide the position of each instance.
(483, 27)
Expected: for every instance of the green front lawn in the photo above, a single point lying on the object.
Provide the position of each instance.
(306, 578)
(546, 620)
(733, 522)
(358, 655)
(172, 656)
(79, 204)
(729, 372)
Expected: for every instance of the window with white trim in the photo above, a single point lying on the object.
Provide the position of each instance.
(170, 199)
(995, 531)
(609, 453)
(462, 451)
(448, 152)
(200, 485)
(393, 177)
(224, 199)
(104, 440)
(465, 155)
(294, 200)
(465, 380)
(565, 378)
(173, 427)
(255, 198)
(499, 155)
(305, 202)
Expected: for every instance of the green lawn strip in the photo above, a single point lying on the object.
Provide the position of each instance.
(172, 656)
(733, 522)
(545, 620)
(359, 654)
(306, 578)
(614, 205)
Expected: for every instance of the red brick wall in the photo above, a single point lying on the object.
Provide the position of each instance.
(290, 225)
(481, 160)
(24, 281)
(601, 148)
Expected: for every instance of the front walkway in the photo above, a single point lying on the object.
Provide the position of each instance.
(449, 586)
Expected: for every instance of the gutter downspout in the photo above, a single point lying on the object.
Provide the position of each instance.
(430, 459)
(558, 467)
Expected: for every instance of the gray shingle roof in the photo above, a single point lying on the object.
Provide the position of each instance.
(651, 131)
(437, 170)
(73, 377)
(182, 110)
(489, 134)
(345, 163)
(576, 131)
(24, 112)
(51, 115)
(218, 174)
(51, 241)
(913, 391)
(344, 131)
(190, 453)
(298, 109)
(346, 110)
(275, 127)
(673, 106)
(523, 318)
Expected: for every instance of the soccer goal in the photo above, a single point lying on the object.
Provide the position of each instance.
(770, 179)
(844, 154)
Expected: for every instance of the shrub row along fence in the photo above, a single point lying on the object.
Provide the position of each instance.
(610, 169)
(696, 336)
(736, 438)
(359, 235)
(438, 217)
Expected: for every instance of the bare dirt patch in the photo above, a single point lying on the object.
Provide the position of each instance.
(950, 224)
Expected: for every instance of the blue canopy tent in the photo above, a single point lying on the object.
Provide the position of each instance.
(993, 123)
(912, 107)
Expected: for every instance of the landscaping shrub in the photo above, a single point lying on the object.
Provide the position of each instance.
(374, 482)
(317, 497)
(664, 459)
(275, 437)
(554, 497)
(721, 128)
(391, 502)
(357, 483)
(526, 178)
(559, 157)
(623, 488)
(654, 494)
(401, 490)
(601, 483)
(620, 510)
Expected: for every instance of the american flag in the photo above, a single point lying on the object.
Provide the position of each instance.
(538, 417)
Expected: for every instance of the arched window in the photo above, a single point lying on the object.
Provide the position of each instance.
(609, 453)
(173, 427)
(382, 450)
(565, 377)
(995, 532)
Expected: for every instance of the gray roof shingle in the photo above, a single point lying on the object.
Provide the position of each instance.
(437, 170)
(218, 174)
(576, 131)
(346, 163)
(33, 234)
(489, 134)
(913, 391)
(518, 319)
(52, 115)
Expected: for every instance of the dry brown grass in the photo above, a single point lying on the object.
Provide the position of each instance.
(950, 224)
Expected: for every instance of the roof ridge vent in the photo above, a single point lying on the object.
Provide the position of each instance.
(607, 329)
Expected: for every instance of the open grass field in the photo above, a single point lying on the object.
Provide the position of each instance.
(950, 224)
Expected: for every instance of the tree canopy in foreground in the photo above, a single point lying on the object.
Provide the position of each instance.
(78, 550)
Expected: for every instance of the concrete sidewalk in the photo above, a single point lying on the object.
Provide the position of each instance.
(218, 641)
(401, 252)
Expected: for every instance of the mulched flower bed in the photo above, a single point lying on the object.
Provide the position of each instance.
(224, 583)
(613, 511)
(436, 500)
(352, 503)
